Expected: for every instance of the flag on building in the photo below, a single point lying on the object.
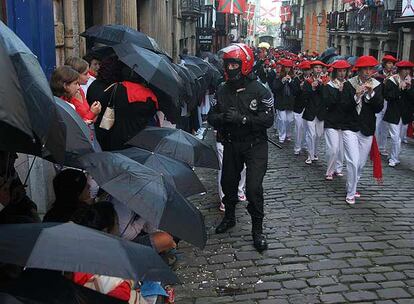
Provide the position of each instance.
(285, 13)
(250, 28)
(232, 6)
(261, 29)
(268, 13)
(250, 9)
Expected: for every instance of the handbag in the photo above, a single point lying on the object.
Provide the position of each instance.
(108, 119)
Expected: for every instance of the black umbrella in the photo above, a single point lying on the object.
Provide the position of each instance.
(175, 172)
(35, 286)
(176, 144)
(6, 298)
(147, 193)
(112, 34)
(29, 120)
(78, 139)
(74, 248)
(152, 68)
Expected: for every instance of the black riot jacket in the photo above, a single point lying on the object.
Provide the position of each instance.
(253, 101)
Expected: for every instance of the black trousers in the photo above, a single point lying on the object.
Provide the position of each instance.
(255, 156)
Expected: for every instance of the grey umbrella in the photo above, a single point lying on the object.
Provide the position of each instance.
(176, 144)
(112, 34)
(29, 120)
(147, 193)
(74, 248)
(79, 139)
(153, 68)
(177, 173)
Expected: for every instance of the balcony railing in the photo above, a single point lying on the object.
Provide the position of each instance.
(191, 8)
(368, 20)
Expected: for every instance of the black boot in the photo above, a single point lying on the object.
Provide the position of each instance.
(259, 240)
(228, 221)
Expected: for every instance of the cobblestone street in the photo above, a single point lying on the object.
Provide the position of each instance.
(320, 249)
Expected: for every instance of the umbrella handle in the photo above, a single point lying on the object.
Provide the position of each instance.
(274, 143)
(28, 172)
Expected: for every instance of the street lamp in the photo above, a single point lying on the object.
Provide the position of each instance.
(319, 19)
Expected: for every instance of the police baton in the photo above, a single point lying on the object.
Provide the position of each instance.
(274, 143)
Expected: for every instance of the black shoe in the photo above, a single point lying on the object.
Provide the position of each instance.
(259, 242)
(225, 225)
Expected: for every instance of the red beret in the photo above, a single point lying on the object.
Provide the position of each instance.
(341, 64)
(318, 62)
(390, 58)
(286, 63)
(366, 61)
(305, 65)
(404, 64)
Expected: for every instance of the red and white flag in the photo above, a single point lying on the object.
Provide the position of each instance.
(285, 13)
(268, 13)
(261, 29)
(250, 10)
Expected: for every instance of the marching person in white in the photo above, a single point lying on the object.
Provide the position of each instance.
(398, 93)
(361, 99)
(381, 129)
(284, 91)
(299, 107)
(333, 119)
(314, 109)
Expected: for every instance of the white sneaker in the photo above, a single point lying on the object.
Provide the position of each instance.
(384, 153)
(391, 163)
(329, 177)
(222, 207)
(350, 200)
(296, 152)
(242, 198)
(308, 161)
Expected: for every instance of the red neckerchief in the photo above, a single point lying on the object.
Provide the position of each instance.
(92, 73)
(136, 92)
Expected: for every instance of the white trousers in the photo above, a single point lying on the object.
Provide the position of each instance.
(357, 148)
(285, 122)
(334, 151)
(381, 129)
(314, 132)
(299, 131)
(242, 183)
(397, 133)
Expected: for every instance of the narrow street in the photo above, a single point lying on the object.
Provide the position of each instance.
(320, 249)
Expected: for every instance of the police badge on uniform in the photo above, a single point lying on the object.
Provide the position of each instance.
(253, 105)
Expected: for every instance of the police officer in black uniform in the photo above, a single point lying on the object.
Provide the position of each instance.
(242, 113)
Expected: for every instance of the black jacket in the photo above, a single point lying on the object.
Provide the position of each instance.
(252, 100)
(334, 112)
(285, 93)
(399, 103)
(314, 106)
(299, 98)
(365, 120)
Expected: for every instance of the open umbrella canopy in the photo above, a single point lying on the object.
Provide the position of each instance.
(153, 69)
(176, 144)
(147, 193)
(74, 248)
(335, 58)
(175, 172)
(112, 34)
(29, 120)
(78, 139)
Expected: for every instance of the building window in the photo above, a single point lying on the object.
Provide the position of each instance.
(359, 51)
(373, 52)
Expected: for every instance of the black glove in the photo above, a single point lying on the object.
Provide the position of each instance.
(232, 116)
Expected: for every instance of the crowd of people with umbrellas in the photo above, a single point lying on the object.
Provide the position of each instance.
(122, 181)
